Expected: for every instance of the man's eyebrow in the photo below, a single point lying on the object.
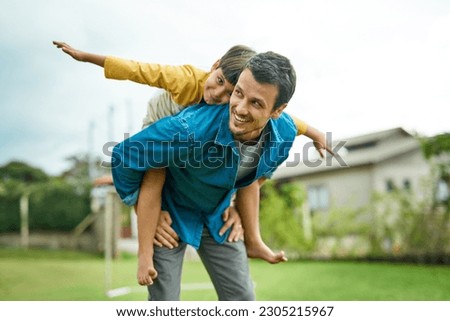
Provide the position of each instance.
(259, 101)
(238, 88)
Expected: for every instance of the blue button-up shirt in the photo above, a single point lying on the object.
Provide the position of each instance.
(201, 159)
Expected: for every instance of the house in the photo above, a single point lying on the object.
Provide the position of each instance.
(376, 162)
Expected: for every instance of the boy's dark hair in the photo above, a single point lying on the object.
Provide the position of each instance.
(233, 62)
(275, 69)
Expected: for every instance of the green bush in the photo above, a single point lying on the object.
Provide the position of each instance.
(58, 206)
(410, 227)
(55, 205)
(280, 217)
(9, 207)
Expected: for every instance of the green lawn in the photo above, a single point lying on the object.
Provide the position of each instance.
(61, 275)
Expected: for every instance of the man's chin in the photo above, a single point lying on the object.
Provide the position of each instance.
(239, 135)
(236, 134)
(236, 131)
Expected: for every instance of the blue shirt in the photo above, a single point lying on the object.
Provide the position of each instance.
(201, 159)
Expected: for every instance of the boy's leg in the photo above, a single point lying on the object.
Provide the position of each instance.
(160, 105)
(227, 266)
(247, 203)
(148, 210)
(168, 263)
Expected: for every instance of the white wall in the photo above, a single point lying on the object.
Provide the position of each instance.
(411, 166)
(349, 187)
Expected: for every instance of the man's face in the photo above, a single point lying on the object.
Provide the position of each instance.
(217, 89)
(251, 107)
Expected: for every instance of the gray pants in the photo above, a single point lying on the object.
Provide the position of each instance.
(227, 266)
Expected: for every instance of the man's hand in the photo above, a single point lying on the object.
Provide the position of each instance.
(165, 235)
(232, 219)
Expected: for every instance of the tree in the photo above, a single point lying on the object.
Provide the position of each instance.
(22, 172)
(55, 203)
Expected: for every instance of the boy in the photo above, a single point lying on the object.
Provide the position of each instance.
(184, 85)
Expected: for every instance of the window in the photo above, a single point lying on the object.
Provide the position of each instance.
(318, 197)
(442, 191)
(406, 184)
(390, 186)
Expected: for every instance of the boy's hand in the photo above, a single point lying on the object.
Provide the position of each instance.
(321, 147)
(74, 53)
(165, 235)
(232, 219)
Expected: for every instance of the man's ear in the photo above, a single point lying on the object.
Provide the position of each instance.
(215, 65)
(277, 112)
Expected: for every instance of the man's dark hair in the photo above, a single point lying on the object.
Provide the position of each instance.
(275, 69)
(234, 61)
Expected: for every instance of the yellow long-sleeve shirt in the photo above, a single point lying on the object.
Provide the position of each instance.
(185, 83)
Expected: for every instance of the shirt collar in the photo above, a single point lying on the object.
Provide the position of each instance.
(224, 136)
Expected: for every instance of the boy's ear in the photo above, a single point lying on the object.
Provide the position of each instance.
(277, 112)
(216, 65)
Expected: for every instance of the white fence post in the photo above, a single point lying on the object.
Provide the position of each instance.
(24, 222)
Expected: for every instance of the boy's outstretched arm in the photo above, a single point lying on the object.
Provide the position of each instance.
(95, 59)
(319, 140)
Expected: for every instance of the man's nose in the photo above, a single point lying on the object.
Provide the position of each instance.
(241, 107)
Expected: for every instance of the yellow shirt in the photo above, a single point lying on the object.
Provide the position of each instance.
(185, 83)
(301, 125)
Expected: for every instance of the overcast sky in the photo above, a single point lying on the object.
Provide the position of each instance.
(362, 66)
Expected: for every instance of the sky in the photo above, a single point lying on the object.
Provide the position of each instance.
(362, 66)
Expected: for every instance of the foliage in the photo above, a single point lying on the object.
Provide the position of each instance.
(280, 215)
(58, 206)
(55, 203)
(404, 225)
(339, 222)
(437, 150)
(10, 192)
(78, 173)
(22, 172)
(436, 145)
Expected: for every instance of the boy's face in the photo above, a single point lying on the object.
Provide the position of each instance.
(217, 89)
(251, 107)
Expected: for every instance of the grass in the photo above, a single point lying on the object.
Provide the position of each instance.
(60, 275)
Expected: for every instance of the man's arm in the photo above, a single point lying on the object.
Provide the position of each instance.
(165, 143)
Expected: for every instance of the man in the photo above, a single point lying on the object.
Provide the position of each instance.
(209, 153)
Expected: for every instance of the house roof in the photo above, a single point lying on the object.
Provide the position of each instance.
(361, 150)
